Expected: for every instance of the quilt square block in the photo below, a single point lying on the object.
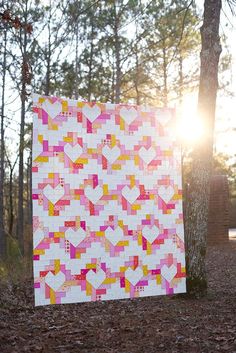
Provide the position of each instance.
(107, 202)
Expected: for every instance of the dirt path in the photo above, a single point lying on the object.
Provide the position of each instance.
(147, 325)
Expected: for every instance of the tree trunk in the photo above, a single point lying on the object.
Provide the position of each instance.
(113, 83)
(137, 67)
(165, 98)
(117, 56)
(20, 219)
(48, 56)
(30, 188)
(11, 214)
(198, 191)
(181, 80)
(2, 230)
(76, 61)
(28, 217)
(136, 81)
(20, 216)
(11, 196)
(91, 62)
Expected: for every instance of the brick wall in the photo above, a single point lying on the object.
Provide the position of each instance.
(232, 213)
(218, 222)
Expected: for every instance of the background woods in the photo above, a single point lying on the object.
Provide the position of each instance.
(156, 52)
(141, 52)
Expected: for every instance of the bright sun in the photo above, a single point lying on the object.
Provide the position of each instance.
(190, 126)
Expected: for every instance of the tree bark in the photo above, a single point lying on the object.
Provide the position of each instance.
(117, 56)
(28, 192)
(2, 148)
(20, 218)
(181, 80)
(91, 54)
(48, 56)
(136, 81)
(30, 188)
(113, 83)
(198, 191)
(165, 93)
(20, 215)
(11, 214)
(76, 61)
(137, 68)
(11, 195)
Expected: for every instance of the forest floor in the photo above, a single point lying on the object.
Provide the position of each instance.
(146, 325)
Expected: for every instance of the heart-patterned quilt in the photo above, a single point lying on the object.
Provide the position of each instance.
(107, 202)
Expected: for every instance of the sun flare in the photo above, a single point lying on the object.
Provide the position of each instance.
(190, 125)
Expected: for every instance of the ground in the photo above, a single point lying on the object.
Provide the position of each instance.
(147, 325)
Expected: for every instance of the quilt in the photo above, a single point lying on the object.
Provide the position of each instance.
(107, 202)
